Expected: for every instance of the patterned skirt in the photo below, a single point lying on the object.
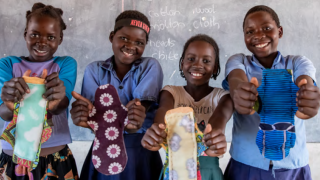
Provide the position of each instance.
(57, 166)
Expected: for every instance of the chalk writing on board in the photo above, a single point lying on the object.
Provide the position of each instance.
(164, 12)
(165, 55)
(203, 22)
(168, 43)
(167, 24)
(209, 10)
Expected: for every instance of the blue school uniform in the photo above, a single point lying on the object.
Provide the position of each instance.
(143, 81)
(245, 127)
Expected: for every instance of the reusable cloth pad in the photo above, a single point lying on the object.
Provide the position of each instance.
(108, 119)
(277, 108)
(184, 147)
(29, 128)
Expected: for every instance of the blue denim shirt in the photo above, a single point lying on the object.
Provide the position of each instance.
(245, 127)
(143, 81)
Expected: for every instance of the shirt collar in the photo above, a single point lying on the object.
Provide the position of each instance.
(276, 61)
(108, 64)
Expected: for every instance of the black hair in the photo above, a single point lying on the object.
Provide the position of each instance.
(212, 42)
(40, 9)
(132, 14)
(265, 9)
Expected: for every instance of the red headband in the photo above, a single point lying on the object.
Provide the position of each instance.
(134, 23)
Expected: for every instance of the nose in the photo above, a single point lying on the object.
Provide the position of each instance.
(42, 41)
(197, 63)
(259, 35)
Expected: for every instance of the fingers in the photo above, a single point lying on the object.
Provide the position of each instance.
(14, 90)
(244, 97)
(79, 97)
(44, 73)
(154, 136)
(136, 115)
(80, 113)
(308, 100)
(27, 73)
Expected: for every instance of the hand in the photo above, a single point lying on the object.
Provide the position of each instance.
(80, 110)
(154, 137)
(55, 90)
(14, 90)
(215, 140)
(244, 96)
(308, 100)
(136, 115)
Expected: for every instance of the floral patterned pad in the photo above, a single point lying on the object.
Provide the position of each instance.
(107, 119)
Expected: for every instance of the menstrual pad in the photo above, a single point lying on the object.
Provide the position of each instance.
(277, 108)
(184, 147)
(29, 128)
(108, 119)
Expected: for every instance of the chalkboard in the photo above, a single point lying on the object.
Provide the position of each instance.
(172, 23)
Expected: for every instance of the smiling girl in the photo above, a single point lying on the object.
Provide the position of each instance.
(138, 81)
(43, 34)
(198, 64)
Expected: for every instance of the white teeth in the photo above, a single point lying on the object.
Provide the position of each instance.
(261, 45)
(196, 74)
(127, 54)
(40, 51)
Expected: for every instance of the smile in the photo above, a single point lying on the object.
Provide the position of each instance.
(127, 54)
(196, 74)
(261, 45)
(39, 52)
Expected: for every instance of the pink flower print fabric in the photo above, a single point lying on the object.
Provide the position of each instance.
(107, 119)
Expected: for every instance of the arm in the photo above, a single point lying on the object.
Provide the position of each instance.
(214, 133)
(156, 133)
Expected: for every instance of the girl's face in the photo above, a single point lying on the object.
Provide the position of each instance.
(261, 34)
(43, 36)
(128, 44)
(198, 63)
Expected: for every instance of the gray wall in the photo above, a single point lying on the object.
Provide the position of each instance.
(173, 22)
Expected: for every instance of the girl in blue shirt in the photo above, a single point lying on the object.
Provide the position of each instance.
(138, 81)
(262, 32)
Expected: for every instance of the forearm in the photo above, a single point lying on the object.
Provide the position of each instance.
(5, 113)
(63, 104)
(222, 113)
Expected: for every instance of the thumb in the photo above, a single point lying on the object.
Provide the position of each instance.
(162, 126)
(79, 97)
(135, 101)
(44, 73)
(27, 73)
(254, 81)
(302, 82)
(208, 129)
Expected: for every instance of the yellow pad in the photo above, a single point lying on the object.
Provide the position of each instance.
(182, 143)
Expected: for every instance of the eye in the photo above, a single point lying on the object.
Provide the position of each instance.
(190, 58)
(267, 28)
(34, 35)
(138, 43)
(206, 61)
(51, 38)
(124, 39)
(249, 32)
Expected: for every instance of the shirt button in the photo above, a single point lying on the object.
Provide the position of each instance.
(120, 87)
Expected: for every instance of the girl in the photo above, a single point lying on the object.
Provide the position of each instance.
(212, 106)
(43, 35)
(262, 31)
(138, 81)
